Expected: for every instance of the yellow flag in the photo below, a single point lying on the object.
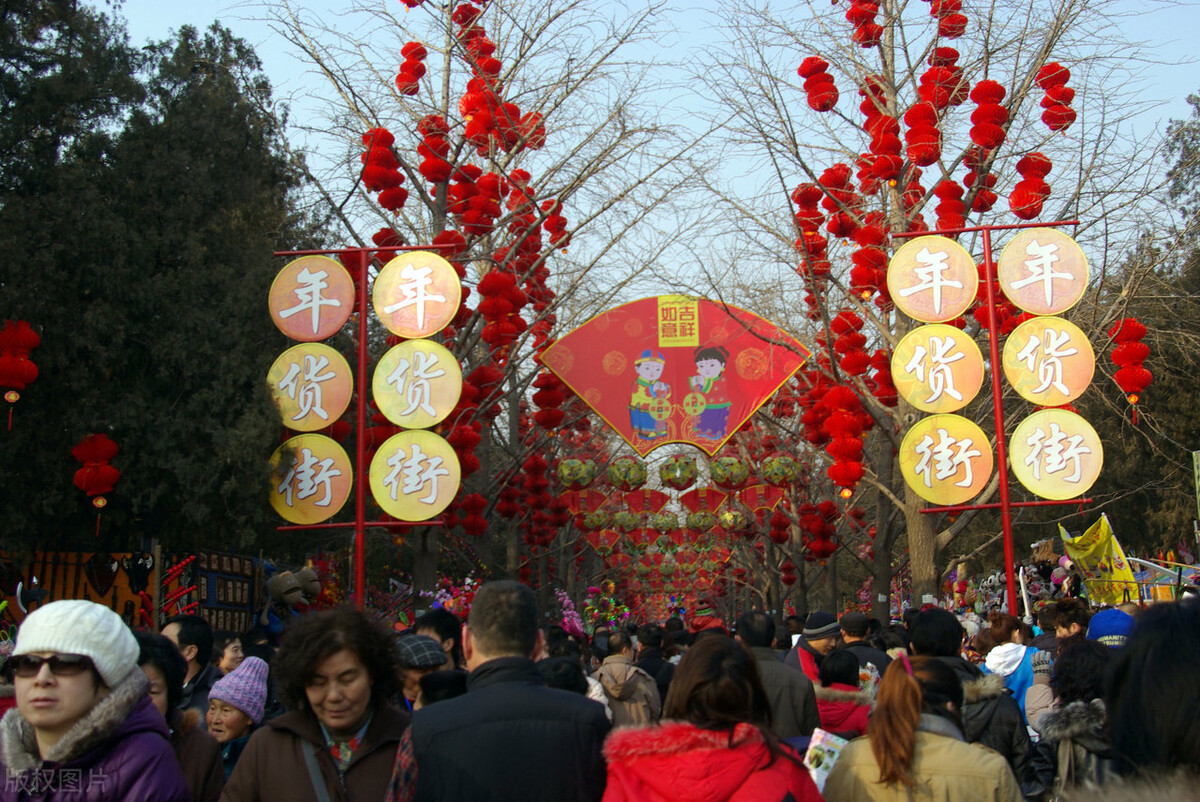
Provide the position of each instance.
(1102, 560)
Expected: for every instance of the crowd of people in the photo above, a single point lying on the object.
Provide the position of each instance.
(1082, 704)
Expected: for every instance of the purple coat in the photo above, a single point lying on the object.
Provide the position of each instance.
(119, 751)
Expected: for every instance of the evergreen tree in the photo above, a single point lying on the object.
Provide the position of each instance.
(146, 256)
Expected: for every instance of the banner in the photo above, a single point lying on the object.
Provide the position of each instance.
(1102, 560)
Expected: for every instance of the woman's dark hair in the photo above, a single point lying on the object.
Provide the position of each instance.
(442, 685)
(1078, 673)
(1003, 626)
(899, 703)
(716, 687)
(221, 640)
(315, 637)
(158, 651)
(564, 673)
(560, 643)
(1153, 703)
(447, 626)
(839, 666)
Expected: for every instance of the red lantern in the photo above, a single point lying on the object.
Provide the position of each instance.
(96, 477)
(1129, 354)
(17, 371)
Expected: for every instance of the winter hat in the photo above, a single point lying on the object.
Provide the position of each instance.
(420, 651)
(1111, 627)
(854, 623)
(820, 625)
(74, 626)
(704, 616)
(245, 688)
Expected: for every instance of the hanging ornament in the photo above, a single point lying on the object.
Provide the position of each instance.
(1129, 354)
(96, 477)
(17, 371)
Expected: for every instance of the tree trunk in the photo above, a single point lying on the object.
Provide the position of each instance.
(881, 582)
(425, 558)
(922, 550)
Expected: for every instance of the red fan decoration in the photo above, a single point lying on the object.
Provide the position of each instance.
(408, 81)
(1128, 355)
(818, 83)
(17, 371)
(1031, 191)
(1058, 114)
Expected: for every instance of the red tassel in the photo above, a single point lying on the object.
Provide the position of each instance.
(1135, 416)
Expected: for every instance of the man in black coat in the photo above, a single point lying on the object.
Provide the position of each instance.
(854, 626)
(650, 657)
(509, 737)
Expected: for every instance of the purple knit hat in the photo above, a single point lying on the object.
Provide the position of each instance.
(244, 688)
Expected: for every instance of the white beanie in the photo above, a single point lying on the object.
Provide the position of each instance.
(73, 626)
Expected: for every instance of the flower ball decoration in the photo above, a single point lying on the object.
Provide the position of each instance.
(626, 520)
(701, 521)
(627, 473)
(597, 519)
(728, 472)
(576, 474)
(734, 520)
(664, 521)
(678, 472)
(779, 470)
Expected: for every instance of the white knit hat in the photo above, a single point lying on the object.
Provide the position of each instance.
(74, 626)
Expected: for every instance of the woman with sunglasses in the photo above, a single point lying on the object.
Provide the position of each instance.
(85, 727)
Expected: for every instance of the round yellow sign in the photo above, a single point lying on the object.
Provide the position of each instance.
(311, 384)
(416, 294)
(417, 383)
(310, 479)
(937, 368)
(946, 459)
(1056, 454)
(1042, 271)
(415, 475)
(1049, 361)
(312, 298)
(932, 279)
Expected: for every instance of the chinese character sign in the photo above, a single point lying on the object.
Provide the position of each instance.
(1042, 271)
(311, 384)
(937, 368)
(1056, 454)
(415, 475)
(932, 279)
(1049, 361)
(674, 369)
(312, 298)
(310, 479)
(946, 459)
(416, 294)
(417, 383)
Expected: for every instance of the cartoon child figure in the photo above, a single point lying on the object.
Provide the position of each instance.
(709, 381)
(647, 390)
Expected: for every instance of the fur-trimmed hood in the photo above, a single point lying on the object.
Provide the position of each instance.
(842, 693)
(674, 738)
(1078, 721)
(982, 687)
(18, 743)
(1179, 786)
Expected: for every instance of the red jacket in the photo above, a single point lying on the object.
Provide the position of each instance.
(844, 709)
(679, 761)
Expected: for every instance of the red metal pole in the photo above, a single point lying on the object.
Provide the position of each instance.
(360, 440)
(998, 416)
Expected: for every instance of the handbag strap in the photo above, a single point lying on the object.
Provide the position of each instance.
(314, 772)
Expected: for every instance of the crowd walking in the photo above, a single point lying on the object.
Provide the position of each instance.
(1089, 705)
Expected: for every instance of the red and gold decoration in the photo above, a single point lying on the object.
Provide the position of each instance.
(675, 369)
(1128, 355)
(312, 298)
(311, 384)
(1056, 454)
(311, 477)
(17, 370)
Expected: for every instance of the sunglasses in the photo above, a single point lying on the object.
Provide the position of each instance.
(61, 665)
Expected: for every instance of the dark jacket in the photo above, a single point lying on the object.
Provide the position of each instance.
(991, 717)
(118, 751)
(198, 754)
(195, 693)
(793, 703)
(510, 738)
(806, 659)
(653, 663)
(272, 766)
(1075, 749)
(866, 653)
